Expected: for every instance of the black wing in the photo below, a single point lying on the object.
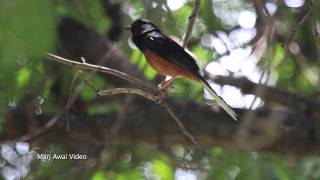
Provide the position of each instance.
(170, 50)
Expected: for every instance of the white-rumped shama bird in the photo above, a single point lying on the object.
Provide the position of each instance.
(168, 58)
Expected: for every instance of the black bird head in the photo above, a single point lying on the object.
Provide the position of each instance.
(142, 26)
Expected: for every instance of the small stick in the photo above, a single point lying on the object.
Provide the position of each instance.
(191, 20)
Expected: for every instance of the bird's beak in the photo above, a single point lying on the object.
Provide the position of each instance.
(128, 27)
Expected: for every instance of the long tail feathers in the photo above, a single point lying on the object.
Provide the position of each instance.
(219, 100)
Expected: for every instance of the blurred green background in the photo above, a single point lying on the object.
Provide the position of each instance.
(224, 30)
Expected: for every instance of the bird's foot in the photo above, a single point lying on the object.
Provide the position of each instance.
(164, 85)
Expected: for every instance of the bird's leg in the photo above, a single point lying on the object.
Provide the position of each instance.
(166, 83)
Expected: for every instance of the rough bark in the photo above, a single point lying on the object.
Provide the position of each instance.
(272, 130)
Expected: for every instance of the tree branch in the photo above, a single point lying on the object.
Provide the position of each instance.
(273, 130)
(272, 94)
(191, 20)
(145, 90)
(303, 20)
(83, 65)
(115, 91)
(79, 41)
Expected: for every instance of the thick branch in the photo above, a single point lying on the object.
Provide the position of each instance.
(272, 130)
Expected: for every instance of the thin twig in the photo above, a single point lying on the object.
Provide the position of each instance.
(71, 92)
(71, 99)
(303, 20)
(102, 69)
(74, 92)
(145, 90)
(35, 134)
(180, 124)
(265, 71)
(306, 70)
(88, 82)
(151, 97)
(191, 20)
(121, 114)
(140, 92)
(315, 29)
(54, 119)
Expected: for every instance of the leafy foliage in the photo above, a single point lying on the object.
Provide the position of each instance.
(28, 31)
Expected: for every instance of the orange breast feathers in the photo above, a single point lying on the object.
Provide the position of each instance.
(167, 68)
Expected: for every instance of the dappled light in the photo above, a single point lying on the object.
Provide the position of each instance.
(230, 12)
(247, 19)
(175, 4)
(182, 174)
(15, 160)
(12, 104)
(161, 90)
(294, 3)
(272, 7)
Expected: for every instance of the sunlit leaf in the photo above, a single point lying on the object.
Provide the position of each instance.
(138, 58)
(218, 151)
(203, 54)
(150, 73)
(180, 18)
(162, 169)
(99, 175)
(285, 71)
(278, 55)
(23, 77)
(304, 85)
(136, 55)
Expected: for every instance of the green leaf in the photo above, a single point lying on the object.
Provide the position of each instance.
(99, 175)
(218, 151)
(138, 59)
(136, 55)
(304, 85)
(150, 73)
(88, 93)
(202, 53)
(23, 77)
(162, 169)
(180, 17)
(285, 71)
(91, 13)
(27, 33)
(278, 55)
(26, 25)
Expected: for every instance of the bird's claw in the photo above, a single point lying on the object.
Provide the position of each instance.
(164, 85)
